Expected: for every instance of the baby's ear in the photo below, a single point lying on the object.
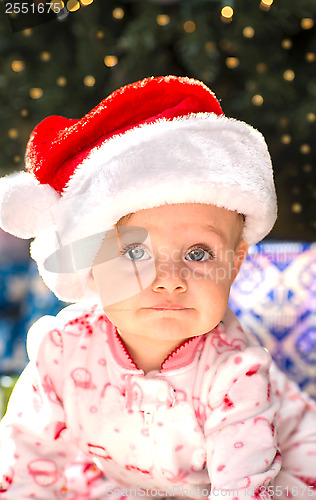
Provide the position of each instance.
(241, 253)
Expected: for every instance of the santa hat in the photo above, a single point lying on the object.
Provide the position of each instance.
(158, 141)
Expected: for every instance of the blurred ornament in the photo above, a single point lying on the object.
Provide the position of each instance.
(45, 56)
(305, 149)
(307, 23)
(18, 66)
(286, 139)
(162, 20)
(57, 6)
(227, 11)
(261, 68)
(257, 100)
(289, 75)
(210, 46)
(296, 208)
(189, 26)
(13, 133)
(73, 5)
(110, 61)
(248, 32)
(307, 168)
(118, 13)
(61, 81)
(286, 44)
(89, 81)
(284, 121)
(310, 56)
(232, 62)
(311, 117)
(36, 93)
(227, 14)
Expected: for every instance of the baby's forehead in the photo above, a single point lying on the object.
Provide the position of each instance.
(181, 213)
(186, 219)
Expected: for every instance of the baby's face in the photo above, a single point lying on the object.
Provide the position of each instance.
(195, 251)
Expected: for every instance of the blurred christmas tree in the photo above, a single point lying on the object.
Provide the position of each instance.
(258, 57)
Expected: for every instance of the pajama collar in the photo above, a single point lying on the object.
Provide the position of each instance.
(181, 356)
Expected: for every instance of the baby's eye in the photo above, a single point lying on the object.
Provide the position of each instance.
(135, 252)
(197, 254)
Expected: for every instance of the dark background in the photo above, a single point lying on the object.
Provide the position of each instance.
(261, 64)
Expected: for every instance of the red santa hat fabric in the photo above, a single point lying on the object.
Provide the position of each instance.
(157, 141)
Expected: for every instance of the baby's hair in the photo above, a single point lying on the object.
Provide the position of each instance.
(125, 218)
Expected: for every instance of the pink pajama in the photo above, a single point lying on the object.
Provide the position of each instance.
(218, 418)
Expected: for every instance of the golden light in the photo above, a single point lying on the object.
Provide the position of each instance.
(61, 81)
(73, 5)
(284, 122)
(27, 32)
(232, 62)
(257, 100)
(162, 20)
(210, 46)
(307, 23)
(261, 68)
(289, 75)
(24, 112)
(86, 2)
(57, 5)
(310, 56)
(36, 93)
(110, 61)
(268, 3)
(248, 32)
(286, 44)
(45, 56)
(189, 26)
(118, 13)
(16, 159)
(307, 168)
(286, 139)
(100, 34)
(227, 12)
(17, 66)
(13, 133)
(305, 149)
(296, 208)
(89, 81)
(311, 117)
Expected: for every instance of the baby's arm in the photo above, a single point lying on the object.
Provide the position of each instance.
(33, 449)
(296, 423)
(241, 442)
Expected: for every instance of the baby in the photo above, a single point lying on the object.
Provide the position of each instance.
(147, 385)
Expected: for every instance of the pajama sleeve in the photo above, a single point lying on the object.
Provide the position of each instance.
(33, 437)
(242, 448)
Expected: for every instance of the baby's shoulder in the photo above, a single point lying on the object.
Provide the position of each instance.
(73, 322)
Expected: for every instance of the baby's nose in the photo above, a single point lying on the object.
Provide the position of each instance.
(170, 275)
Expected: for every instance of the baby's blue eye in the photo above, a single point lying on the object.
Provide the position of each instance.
(135, 253)
(198, 254)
